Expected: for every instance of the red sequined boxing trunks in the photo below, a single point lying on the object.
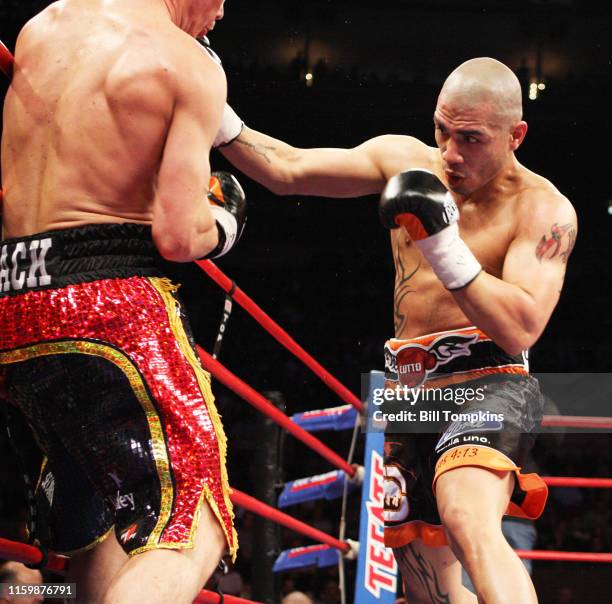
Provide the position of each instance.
(98, 358)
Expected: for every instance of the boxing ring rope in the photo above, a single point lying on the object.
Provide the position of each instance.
(564, 556)
(6, 60)
(576, 421)
(28, 554)
(211, 597)
(571, 481)
(277, 332)
(253, 397)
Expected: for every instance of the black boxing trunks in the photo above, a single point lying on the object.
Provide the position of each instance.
(98, 357)
(491, 428)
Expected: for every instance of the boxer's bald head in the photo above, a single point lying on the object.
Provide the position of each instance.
(486, 83)
(478, 121)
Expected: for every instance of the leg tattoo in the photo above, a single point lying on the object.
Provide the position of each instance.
(413, 563)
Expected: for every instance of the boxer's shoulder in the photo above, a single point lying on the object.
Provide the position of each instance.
(43, 18)
(539, 199)
(397, 153)
(157, 69)
(34, 30)
(186, 66)
(138, 51)
(546, 217)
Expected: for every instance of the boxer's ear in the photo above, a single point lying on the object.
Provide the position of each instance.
(517, 134)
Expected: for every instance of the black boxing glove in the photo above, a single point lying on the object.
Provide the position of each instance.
(418, 201)
(231, 124)
(229, 207)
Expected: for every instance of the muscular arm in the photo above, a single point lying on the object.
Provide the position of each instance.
(515, 309)
(287, 170)
(183, 225)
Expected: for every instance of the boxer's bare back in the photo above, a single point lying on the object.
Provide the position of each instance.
(108, 102)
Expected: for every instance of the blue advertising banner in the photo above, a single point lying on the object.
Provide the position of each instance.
(332, 418)
(306, 557)
(322, 486)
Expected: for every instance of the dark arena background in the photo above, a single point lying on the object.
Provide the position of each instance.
(335, 73)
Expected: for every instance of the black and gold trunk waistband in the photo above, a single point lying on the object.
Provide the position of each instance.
(77, 255)
(466, 352)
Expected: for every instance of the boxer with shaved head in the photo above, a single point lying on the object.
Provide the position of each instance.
(480, 245)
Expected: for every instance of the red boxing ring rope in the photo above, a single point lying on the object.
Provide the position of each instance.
(211, 597)
(28, 554)
(576, 421)
(253, 397)
(563, 556)
(261, 509)
(277, 332)
(6, 61)
(571, 481)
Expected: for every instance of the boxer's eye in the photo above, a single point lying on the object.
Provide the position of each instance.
(471, 139)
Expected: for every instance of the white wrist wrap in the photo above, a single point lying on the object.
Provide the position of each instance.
(227, 222)
(450, 257)
(231, 127)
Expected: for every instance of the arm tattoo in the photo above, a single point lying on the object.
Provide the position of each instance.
(402, 289)
(413, 563)
(257, 149)
(550, 247)
(571, 237)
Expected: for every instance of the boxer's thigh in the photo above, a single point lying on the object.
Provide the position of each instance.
(102, 441)
(69, 512)
(494, 432)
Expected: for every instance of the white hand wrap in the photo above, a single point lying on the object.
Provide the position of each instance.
(227, 222)
(450, 257)
(230, 129)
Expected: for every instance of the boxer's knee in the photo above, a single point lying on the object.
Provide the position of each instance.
(471, 522)
(469, 533)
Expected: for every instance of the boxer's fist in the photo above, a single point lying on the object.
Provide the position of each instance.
(229, 207)
(418, 201)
